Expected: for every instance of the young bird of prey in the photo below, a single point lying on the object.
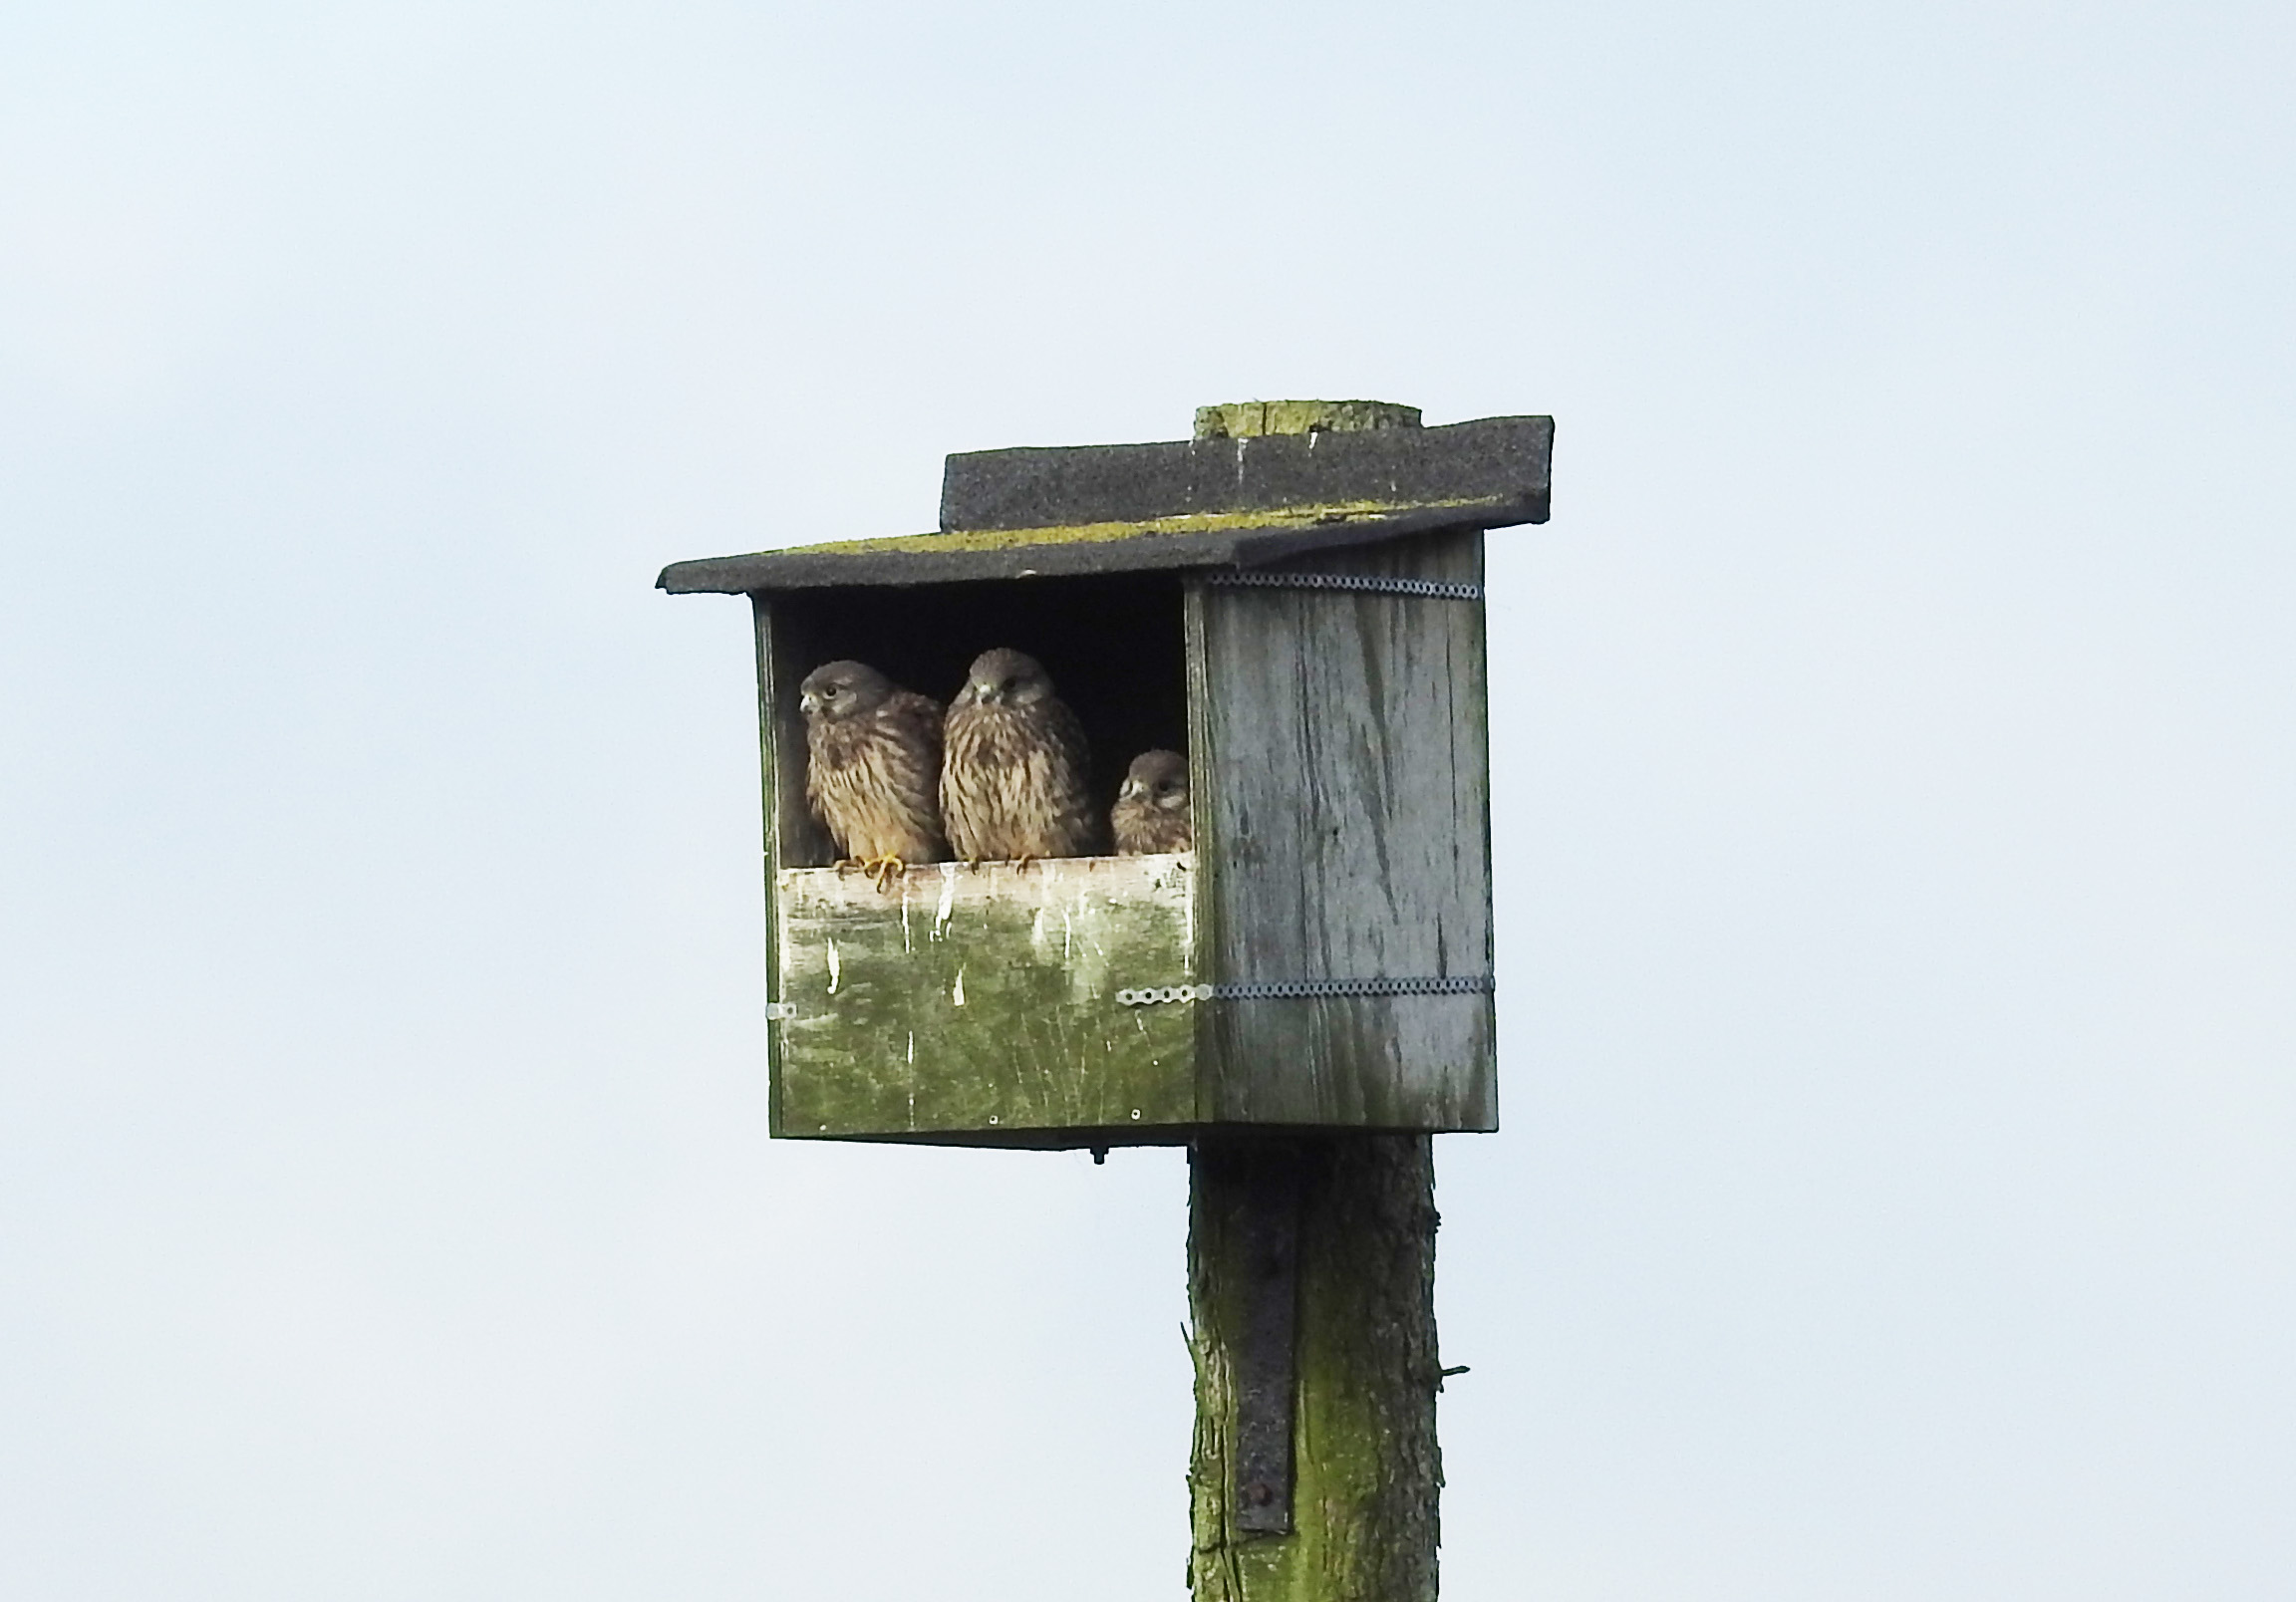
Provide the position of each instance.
(1152, 809)
(1016, 771)
(873, 766)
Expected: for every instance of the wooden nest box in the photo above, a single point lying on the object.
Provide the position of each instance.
(1293, 598)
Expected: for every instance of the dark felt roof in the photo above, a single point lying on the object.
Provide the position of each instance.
(1031, 513)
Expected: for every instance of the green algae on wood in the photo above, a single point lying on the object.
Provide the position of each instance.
(1004, 539)
(983, 998)
(1367, 1470)
(1256, 419)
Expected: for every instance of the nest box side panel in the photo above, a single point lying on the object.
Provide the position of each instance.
(979, 1002)
(1342, 806)
(780, 744)
(793, 837)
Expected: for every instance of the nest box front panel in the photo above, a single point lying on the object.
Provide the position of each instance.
(977, 1003)
(979, 1000)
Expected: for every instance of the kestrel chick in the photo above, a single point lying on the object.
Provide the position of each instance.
(1152, 809)
(1014, 776)
(873, 765)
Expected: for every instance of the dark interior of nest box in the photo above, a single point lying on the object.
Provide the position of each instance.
(1114, 646)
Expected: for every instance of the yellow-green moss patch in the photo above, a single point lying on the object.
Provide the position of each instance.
(1004, 539)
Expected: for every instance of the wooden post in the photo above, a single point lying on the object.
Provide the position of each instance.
(1354, 1356)
(1315, 1472)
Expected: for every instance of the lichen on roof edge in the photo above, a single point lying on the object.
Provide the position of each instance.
(1000, 539)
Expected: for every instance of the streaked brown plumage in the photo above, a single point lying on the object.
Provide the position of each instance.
(1016, 771)
(873, 765)
(1152, 809)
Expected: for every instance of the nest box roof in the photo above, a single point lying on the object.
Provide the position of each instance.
(1192, 503)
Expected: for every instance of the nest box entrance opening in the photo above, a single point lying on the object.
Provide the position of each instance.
(1114, 644)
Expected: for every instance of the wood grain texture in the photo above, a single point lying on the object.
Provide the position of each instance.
(1342, 817)
(970, 999)
(1368, 1468)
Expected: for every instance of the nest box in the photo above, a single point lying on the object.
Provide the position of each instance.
(1294, 597)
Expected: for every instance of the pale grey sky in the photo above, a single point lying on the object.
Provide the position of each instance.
(1895, 782)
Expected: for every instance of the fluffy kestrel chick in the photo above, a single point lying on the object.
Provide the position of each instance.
(1014, 774)
(1152, 809)
(873, 765)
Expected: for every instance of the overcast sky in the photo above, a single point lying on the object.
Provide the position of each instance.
(1896, 736)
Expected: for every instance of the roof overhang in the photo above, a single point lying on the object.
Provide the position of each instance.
(1063, 511)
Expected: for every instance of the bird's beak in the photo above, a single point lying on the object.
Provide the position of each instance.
(1130, 790)
(806, 703)
(983, 693)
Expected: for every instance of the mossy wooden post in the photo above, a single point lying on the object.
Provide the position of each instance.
(1364, 1466)
(1314, 1471)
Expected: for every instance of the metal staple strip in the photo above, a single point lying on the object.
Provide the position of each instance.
(1371, 582)
(1266, 990)
(1307, 990)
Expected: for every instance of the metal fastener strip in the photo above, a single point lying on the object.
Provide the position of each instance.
(1370, 582)
(1307, 990)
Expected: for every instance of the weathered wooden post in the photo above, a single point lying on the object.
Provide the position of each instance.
(1295, 598)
